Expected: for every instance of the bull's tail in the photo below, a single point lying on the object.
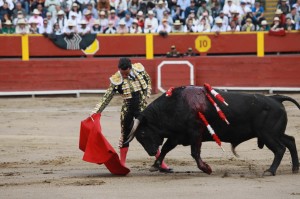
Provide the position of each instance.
(282, 98)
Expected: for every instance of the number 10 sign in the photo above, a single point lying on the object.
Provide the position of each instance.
(202, 43)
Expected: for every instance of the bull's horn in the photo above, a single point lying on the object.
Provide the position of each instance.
(130, 137)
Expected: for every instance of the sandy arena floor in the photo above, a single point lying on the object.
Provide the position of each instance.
(39, 158)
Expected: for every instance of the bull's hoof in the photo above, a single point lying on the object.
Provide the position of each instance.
(163, 170)
(205, 168)
(295, 169)
(269, 173)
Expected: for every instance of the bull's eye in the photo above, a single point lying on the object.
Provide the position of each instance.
(142, 134)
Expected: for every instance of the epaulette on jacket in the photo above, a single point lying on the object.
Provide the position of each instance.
(116, 79)
(138, 67)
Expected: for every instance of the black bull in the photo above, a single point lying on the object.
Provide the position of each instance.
(250, 116)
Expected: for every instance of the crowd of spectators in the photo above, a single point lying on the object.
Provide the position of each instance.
(143, 16)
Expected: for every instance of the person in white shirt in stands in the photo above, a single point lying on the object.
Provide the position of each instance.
(224, 19)
(88, 17)
(177, 27)
(135, 29)
(22, 27)
(164, 27)
(51, 20)
(46, 27)
(153, 20)
(75, 11)
(70, 28)
(228, 8)
(204, 26)
(19, 16)
(148, 28)
(61, 19)
(121, 7)
(111, 29)
(51, 4)
(73, 17)
(218, 27)
(83, 28)
(122, 28)
(36, 18)
(97, 28)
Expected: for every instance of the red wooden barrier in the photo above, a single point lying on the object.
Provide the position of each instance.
(78, 74)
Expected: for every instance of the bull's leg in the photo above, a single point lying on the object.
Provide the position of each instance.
(196, 150)
(166, 148)
(278, 149)
(290, 143)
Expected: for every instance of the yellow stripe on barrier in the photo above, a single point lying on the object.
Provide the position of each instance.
(260, 44)
(25, 48)
(149, 46)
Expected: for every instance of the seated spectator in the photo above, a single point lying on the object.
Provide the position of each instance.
(151, 19)
(190, 53)
(203, 26)
(281, 16)
(215, 10)
(92, 9)
(19, 16)
(61, 20)
(127, 19)
(249, 15)
(135, 29)
(233, 27)
(122, 28)
(111, 29)
(0, 27)
(289, 24)
(168, 17)
(18, 9)
(36, 18)
(113, 17)
(5, 11)
(218, 27)
(164, 28)
(57, 30)
(228, 8)
(177, 27)
(51, 5)
(159, 10)
(89, 18)
(264, 26)
(223, 18)
(51, 20)
(148, 28)
(33, 27)
(192, 17)
(141, 19)
(84, 28)
(294, 15)
(75, 11)
(73, 17)
(121, 8)
(284, 7)
(209, 20)
(243, 9)
(258, 11)
(133, 7)
(297, 5)
(103, 20)
(192, 7)
(42, 10)
(248, 26)
(22, 27)
(236, 17)
(189, 26)
(177, 14)
(97, 29)
(276, 25)
(70, 29)
(203, 8)
(173, 52)
(8, 28)
(46, 28)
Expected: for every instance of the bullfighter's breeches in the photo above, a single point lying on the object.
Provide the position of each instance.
(131, 109)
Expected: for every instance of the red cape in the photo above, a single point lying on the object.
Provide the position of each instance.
(96, 148)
